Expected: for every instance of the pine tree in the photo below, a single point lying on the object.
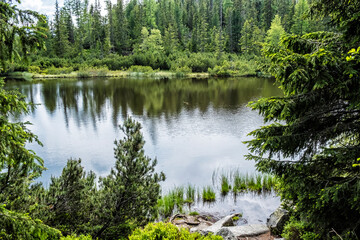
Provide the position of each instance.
(131, 191)
(71, 198)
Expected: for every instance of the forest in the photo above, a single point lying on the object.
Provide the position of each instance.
(311, 143)
(220, 37)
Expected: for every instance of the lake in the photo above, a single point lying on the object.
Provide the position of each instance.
(192, 126)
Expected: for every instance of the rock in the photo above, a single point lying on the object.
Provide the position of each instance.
(277, 221)
(224, 222)
(194, 223)
(250, 230)
(226, 234)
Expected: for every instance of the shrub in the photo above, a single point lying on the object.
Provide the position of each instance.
(92, 72)
(74, 237)
(34, 69)
(61, 70)
(142, 69)
(168, 231)
(221, 71)
(114, 62)
(297, 230)
(20, 226)
(201, 62)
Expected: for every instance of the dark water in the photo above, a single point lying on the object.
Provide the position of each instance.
(193, 127)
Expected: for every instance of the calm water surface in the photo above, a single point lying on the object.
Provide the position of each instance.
(192, 127)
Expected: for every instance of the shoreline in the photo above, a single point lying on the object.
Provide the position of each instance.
(120, 74)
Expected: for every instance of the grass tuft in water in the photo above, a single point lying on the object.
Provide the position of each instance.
(171, 202)
(225, 185)
(208, 194)
(166, 205)
(190, 194)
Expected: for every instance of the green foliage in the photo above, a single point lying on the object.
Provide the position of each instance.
(251, 38)
(236, 67)
(208, 194)
(141, 69)
(72, 198)
(18, 165)
(173, 201)
(314, 140)
(190, 193)
(131, 191)
(162, 230)
(225, 185)
(19, 33)
(92, 72)
(34, 69)
(301, 21)
(193, 213)
(20, 226)
(339, 14)
(297, 230)
(61, 70)
(275, 32)
(75, 237)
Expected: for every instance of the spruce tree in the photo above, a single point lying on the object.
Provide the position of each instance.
(313, 142)
(275, 32)
(19, 166)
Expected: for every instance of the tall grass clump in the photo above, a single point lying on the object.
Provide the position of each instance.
(208, 194)
(171, 202)
(166, 205)
(190, 194)
(269, 182)
(239, 182)
(252, 182)
(225, 185)
(179, 197)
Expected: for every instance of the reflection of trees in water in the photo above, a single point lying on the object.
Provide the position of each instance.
(95, 99)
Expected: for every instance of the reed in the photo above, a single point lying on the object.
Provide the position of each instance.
(166, 205)
(225, 185)
(190, 194)
(208, 194)
(239, 183)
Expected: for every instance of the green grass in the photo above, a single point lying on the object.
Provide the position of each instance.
(190, 194)
(193, 213)
(166, 205)
(239, 182)
(225, 185)
(235, 181)
(171, 202)
(208, 194)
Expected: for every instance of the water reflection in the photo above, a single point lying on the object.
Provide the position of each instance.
(192, 126)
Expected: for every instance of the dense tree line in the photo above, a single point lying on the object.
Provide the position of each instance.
(196, 26)
(166, 34)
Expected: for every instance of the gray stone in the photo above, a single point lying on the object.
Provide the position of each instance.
(277, 221)
(249, 230)
(224, 222)
(226, 234)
